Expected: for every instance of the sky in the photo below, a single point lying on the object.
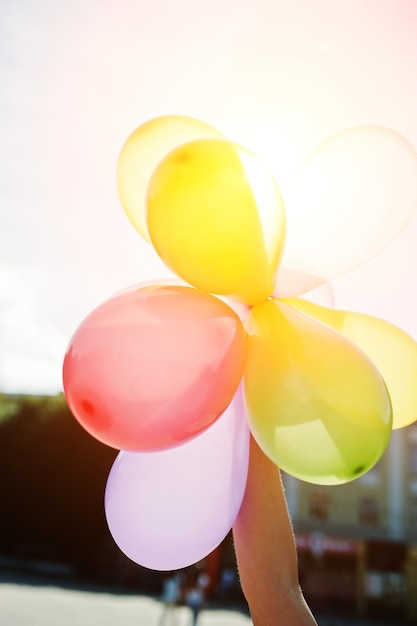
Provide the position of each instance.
(279, 78)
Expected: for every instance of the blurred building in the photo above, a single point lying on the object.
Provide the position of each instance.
(357, 542)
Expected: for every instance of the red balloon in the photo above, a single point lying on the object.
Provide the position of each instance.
(153, 366)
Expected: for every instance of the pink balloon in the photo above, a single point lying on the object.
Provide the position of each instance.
(154, 366)
(169, 509)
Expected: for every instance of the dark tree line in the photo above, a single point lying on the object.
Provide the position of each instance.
(52, 480)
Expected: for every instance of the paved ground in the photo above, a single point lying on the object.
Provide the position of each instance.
(34, 602)
(34, 605)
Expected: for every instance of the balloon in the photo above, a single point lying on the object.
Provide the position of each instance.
(391, 349)
(216, 218)
(154, 366)
(141, 153)
(315, 403)
(292, 281)
(169, 509)
(349, 199)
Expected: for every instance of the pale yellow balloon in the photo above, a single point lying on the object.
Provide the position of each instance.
(216, 218)
(392, 350)
(316, 404)
(141, 153)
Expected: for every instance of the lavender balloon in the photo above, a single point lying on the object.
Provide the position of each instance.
(167, 510)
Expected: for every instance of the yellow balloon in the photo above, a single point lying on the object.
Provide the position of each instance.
(392, 350)
(216, 218)
(141, 153)
(316, 404)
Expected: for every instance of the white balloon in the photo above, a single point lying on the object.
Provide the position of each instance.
(348, 201)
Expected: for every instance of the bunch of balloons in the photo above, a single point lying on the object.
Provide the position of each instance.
(175, 375)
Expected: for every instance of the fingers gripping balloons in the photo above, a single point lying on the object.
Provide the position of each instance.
(154, 366)
(316, 404)
(169, 509)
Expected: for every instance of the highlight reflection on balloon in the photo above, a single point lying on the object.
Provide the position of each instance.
(154, 366)
(169, 509)
(316, 405)
(216, 218)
